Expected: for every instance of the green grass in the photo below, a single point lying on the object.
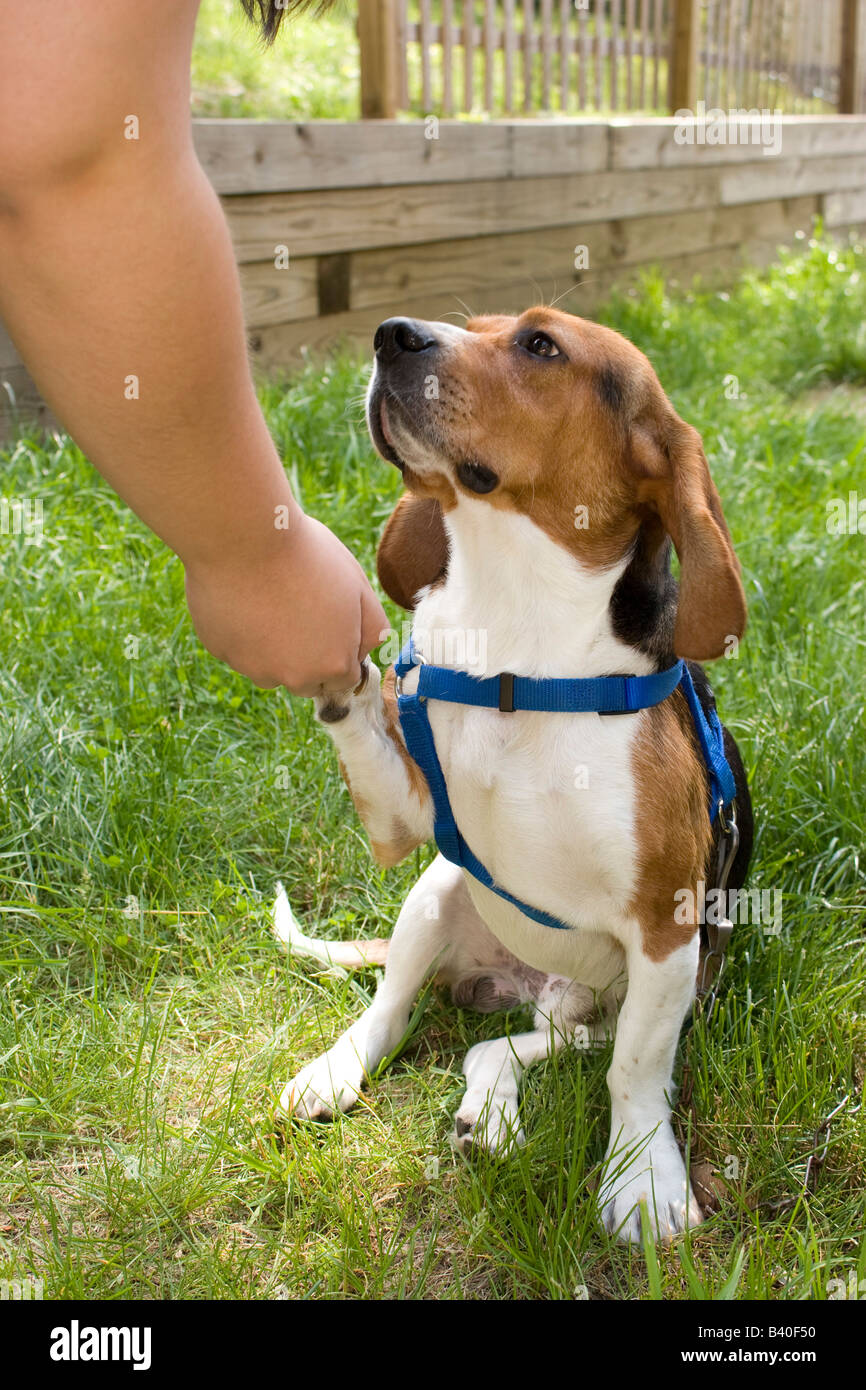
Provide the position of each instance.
(312, 70)
(147, 1022)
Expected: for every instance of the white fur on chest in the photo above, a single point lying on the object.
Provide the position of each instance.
(545, 801)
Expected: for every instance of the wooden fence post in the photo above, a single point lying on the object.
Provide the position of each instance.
(851, 74)
(377, 40)
(685, 27)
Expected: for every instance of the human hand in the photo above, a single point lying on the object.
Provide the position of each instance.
(302, 614)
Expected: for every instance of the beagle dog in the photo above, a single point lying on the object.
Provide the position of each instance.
(547, 476)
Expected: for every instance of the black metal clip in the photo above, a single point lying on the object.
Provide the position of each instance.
(719, 933)
(506, 692)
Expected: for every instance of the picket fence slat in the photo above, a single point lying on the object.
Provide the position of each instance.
(571, 56)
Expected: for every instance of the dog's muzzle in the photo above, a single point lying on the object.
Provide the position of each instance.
(404, 352)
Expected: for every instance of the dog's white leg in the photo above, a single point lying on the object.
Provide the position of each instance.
(488, 1114)
(643, 1161)
(389, 790)
(428, 924)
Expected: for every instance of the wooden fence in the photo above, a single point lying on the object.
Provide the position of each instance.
(498, 57)
(337, 226)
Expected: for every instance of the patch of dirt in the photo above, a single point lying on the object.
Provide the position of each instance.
(849, 395)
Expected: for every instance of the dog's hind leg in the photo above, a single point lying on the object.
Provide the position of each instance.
(488, 1114)
(424, 936)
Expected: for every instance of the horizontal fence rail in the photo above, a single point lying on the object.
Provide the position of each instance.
(338, 225)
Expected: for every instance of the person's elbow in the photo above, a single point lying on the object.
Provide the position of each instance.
(45, 151)
(90, 90)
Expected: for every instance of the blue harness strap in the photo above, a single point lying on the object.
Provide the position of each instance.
(605, 695)
(711, 739)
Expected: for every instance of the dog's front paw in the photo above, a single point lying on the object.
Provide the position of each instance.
(651, 1171)
(334, 707)
(488, 1118)
(330, 1084)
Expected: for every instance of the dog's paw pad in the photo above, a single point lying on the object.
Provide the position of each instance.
(484, 1124)
(331, 711)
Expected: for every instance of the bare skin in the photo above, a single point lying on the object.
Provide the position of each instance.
(117, 265)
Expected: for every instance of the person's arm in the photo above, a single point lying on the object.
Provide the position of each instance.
(118, 285)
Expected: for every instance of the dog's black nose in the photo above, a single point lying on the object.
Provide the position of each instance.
(401, 335)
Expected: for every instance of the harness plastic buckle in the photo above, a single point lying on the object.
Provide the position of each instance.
(506, 692)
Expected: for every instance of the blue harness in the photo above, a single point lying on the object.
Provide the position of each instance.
(606, 695)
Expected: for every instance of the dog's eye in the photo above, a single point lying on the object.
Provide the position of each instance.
(539, 344)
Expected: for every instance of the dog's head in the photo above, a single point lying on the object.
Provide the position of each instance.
(560, 419)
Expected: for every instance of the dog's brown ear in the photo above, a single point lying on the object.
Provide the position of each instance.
(413, 551)
(676, 482)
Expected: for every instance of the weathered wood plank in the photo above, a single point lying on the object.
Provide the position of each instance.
(560, 147)
(377, 34)
(613, 57)
(279, 348)
(546, 53)
(508, 78)
(490, 42)
(273, 295)
(528, 51)
(790, 178)
(243, 157)
(657, 44)
(583, 25)
(851, 75)
(843, 209)
(645, 51)
(684, 54)
(564, 55)
(468, 55)
(389, 277)
(629, 54)
(426, 41)
(356, 219)
(650, 143)
(598, 72)
(448, 57)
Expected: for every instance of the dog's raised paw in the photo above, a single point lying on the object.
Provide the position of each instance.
(334, 708)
